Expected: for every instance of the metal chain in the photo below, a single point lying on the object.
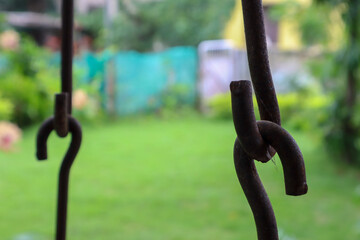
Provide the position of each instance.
(62, 121)
(260, 140)
(255, 139)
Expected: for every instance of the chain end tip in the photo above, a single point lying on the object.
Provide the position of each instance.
(301, 190)
(236, 86)
(41, 156)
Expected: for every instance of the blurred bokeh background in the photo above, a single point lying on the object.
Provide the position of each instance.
(151, 90)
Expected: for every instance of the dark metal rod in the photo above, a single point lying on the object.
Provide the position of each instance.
(245, 122)
(290, 156)
(294, 176)
(271, 133)
(251, 137)
(75, 129)
(255, 194)
(44, 132)
(259, 61)
(61, 114)
(67, 49)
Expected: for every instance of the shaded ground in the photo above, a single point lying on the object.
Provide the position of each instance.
(138, 180)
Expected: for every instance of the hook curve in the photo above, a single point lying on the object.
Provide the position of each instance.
(294, 175)
(46, 128)
(290, 156)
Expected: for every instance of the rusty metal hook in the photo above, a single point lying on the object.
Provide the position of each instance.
(294, 175)
(46, 128)
(261, 139)
(252, 133)
(259, 136)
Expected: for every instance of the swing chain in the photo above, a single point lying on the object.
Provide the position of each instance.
(260, 140)
(63, 100)
(62, 121)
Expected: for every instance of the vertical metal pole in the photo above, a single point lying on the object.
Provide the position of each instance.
(67, 49)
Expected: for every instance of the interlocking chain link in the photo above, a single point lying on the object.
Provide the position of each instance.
(260, 140)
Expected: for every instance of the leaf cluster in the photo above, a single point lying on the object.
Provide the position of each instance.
(141, 25)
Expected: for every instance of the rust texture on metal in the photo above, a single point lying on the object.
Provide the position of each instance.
(260, 140)
(246, 127)
(259, 61)
(62, 122)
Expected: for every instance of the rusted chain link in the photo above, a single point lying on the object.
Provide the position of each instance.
(42, 137)
(260, 140)
(62, 121)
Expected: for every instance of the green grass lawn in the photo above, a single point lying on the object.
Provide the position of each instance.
(157, 179)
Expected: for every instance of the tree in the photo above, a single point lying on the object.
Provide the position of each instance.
(349, 59)
(339, 70)
(141, 24)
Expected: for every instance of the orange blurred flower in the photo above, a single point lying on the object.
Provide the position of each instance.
(9, 40)
(9, 135)
(80, 99)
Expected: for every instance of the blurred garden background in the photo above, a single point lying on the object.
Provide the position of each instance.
(151, 90)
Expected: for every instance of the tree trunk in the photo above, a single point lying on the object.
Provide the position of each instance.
(349, 130)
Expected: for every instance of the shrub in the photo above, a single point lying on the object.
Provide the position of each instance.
(28, 83)
(6, 108)
(176, 100)
(32, 98)
(220, 106)
(302, 110)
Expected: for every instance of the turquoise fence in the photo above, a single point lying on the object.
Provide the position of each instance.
(143, 82)
(147, 81)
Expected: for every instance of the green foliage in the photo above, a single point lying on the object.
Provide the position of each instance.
(175, 101)
(31, 97)
(339, 71)
(28, 82)
(170, 23)
(303, 110)
(93, 22)
(175, 96)
(220, 106)
(343, 131)
(3, 24)
(6, 109)
(313, 21)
